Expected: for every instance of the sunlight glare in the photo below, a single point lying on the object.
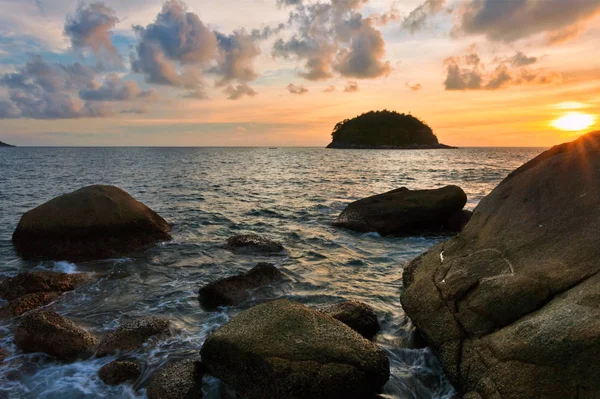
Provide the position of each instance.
(574, 121)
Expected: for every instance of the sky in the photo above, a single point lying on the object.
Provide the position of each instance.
(284, 72)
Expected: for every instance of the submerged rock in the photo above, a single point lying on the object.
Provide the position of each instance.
(40, 281)
(132, 334)
(26, 303)
(93, 222)
(178, 380)
(283, 349)
(357, 315)
(119, 372)
(48, 332)
(233, 290)
(253, 243)
(404, 211)
(511, 305)
(30, 290)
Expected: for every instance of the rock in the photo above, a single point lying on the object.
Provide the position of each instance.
(119, 372)
(358, 316)
(48, 332)
(458, 220)
(233, 290)
(178, 380)
(94, 222)
(253, 243)
(283, 349)
(3, 355)
(132, 334)
(28, 302)
(511, 306)
(40, 281)
(404, 211)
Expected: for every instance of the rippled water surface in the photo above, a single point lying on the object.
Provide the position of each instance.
(208, 194)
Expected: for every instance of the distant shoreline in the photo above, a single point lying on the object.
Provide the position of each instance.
(347, 146)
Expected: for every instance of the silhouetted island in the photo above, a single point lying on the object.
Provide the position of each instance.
(3, 144)
(384, 130)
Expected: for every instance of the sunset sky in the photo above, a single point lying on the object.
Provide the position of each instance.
(284, 72)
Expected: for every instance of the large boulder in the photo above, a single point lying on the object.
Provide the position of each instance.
(253, 243)
(119, 372)
(48, 332)
(177, 380)
(404, 211)
(132, 334)
(357, 315)
(511, 306)
(232, 290)
(283, 349)
(93, 222)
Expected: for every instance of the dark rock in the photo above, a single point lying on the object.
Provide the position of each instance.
(253, 243)
(119, 372)
(40, 281)
(283, 349)
(28, 302)
(3, 355)
(404, 211)
(132, 334)
(457, 221)
(358, 316)
(233, 290)
(178, 380)
(48, 332)
(94, 222)
(511, 306)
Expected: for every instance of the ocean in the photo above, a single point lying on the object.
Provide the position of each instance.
(291, 195)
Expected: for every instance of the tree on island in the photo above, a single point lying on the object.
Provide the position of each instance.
(380, 129)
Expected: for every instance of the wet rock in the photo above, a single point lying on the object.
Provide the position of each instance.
(132, 334)
(48, 332)
(3, 355)
(119, 372)
(404, 211)
(233, 290)
(26, 303)
(357, 315)
(94, 222)
(282, 349)
(511, 306)
(178, 380)
(253, 243)
(41, 281)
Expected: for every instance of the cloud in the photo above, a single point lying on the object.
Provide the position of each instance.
(173, 49)
(467, 72)
(114, 89)
(332, 38)
(520, 59)
(329, 89)
(235, 93)
(351, 87)
(236, 59)
(508, 21)
(42, 90)
(414, 87)
(90, 29)
(417, 18)
(296, 89)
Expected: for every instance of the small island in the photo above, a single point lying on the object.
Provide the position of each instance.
(384, 130)
(3, 144)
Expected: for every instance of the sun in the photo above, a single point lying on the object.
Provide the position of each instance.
(574, 121)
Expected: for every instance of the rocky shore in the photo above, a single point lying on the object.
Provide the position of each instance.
(509, 304)
(350, 146)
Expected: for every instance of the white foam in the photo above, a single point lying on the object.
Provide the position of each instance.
(65, 267)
